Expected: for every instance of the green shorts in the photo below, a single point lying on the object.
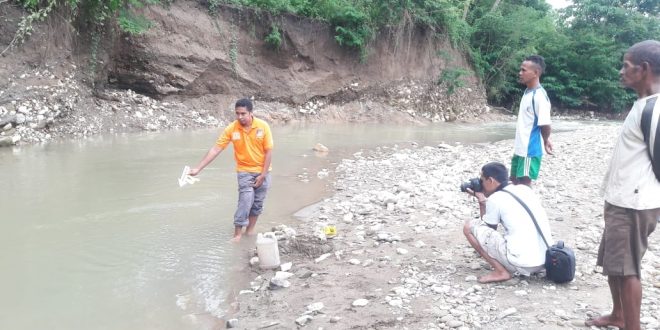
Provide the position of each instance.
(525, 167)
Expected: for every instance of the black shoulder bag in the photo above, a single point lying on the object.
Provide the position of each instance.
(559, 259)
(651, 134)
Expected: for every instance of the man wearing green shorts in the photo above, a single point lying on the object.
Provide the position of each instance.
(533, 126)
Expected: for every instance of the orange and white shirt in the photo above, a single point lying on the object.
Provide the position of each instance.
(250, 145)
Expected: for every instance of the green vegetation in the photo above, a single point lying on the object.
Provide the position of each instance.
(92, 14)
(582, 44)
(274, 38)
(451, 78)
(355, 22)
(233, 52)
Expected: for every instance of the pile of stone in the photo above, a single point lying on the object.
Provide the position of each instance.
(41, 105)
(433, 102)
(400, 256)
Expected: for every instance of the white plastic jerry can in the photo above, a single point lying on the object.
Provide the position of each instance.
(268, 251)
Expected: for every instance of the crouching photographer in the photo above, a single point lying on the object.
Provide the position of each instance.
(521, 250)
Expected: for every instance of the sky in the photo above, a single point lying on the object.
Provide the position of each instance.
(557, 4)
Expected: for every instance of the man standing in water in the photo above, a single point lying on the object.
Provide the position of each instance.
(253, 145)
(632, 187)
(533, 123)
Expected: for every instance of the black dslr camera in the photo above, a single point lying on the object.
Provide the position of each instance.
(474, 184)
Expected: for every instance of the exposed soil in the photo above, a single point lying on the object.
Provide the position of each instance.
(189, 69)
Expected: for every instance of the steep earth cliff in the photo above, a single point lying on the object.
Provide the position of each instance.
(190, 67)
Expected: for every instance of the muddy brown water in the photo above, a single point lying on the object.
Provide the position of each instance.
(97, 234)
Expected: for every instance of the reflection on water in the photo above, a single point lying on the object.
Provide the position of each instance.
(97, 234)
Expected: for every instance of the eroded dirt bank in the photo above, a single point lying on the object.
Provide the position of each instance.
(190, 67)
(400, 260)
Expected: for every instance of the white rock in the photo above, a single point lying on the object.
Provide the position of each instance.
(254, 261)
(303, 320)
(383, 236)
(454, 323)
(648, 320)
(441, 289)
(276, 283)
(411, 281)
(320, 147)
(401, 251)
(405, 186)
(470, 278)
(348, 217)
(322, 174)
(376, 227)
(232, 323)
(507, 312)
(354, 261)
(360, 303)
(520, 293)
(561, 313)
(283, 275)
(322, 257)
(285, 267)
(315, 307)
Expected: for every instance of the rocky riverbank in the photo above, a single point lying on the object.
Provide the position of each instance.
(400, 259)
(51, 103)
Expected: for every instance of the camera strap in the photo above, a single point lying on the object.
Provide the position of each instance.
(530, 214)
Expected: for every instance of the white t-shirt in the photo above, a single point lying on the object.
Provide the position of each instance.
(525, 247)
(629, 181)
(534, 112)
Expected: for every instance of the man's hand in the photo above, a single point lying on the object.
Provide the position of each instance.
(259, 180)
(479, 195)
(194, 171)
(548, 147)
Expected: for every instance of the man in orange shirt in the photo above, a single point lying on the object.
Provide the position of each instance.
(253, 145)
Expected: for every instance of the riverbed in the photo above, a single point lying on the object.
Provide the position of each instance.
(400, 260)
(97, 234)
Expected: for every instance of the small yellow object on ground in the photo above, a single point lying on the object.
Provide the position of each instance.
(330, 231)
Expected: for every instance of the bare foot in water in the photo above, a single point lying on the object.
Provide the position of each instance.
(605, 321)
(250, 232)
(495, 277)
(235, 239)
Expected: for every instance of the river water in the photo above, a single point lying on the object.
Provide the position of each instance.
(97, 234)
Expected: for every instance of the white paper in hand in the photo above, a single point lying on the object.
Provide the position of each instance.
(185, 178)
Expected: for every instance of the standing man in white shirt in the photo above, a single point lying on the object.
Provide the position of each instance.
(533, 123)
(632, 189)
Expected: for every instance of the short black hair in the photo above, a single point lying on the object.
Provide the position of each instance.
(646, 51)
(244, 103)
(496, 171)
(538, 60)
